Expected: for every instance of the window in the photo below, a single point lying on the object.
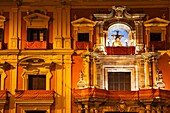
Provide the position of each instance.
(83, 37)
(36, 34)
(36, 82)
(35, 111)
(155, 36)
(1, 34)
(119, 80)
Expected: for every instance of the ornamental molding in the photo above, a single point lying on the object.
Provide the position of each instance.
(37, 20)
(2, 20)
(156, 22)
(81, 22)
(118, 12)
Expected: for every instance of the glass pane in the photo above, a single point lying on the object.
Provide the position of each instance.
(119, 81)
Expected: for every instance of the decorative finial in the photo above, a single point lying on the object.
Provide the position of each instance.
(28, 12)
(91, 17)
(163, 16)
(147, 17)
(81, 83)
(146, 49)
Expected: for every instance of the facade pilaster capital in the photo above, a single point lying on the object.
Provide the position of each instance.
(139, 22)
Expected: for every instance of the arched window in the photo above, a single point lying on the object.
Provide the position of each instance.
(120, 33)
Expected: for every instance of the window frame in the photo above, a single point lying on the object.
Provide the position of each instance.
(114, 68)
(32, 85)
(120, 80)
(31, 31)
(38, 71)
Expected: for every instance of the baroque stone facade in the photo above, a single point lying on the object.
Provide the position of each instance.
(61, 56)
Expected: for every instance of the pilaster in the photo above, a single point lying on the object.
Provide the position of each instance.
(139, 32)
(59, 84)
(57, 41)
(13, 36)
(139, 35)
(146, 68)
(67, 66)
(66, 27)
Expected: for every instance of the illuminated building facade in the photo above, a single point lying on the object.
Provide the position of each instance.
(84, 56)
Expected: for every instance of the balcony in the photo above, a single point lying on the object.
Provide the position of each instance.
(34, 96)
(83, 45)
(102, 95)
(120, 50)
(3, 97)
(36, 45)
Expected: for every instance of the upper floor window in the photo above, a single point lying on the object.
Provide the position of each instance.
(83, 37)
(120, 35)
(36, 82)
(119, 81)
(155, 36)
(36, 34)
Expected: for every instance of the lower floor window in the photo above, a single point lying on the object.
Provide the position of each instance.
(119, 81)
(37, 82)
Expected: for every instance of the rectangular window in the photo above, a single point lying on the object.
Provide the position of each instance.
(119, 81)
(83, 37)
(35, 111)
(1, 34)
(36, 34)
(36, 82)
(155, 36)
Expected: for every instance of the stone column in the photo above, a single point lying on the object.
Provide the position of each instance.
(148, 109)
(13, 27)
(154, 71)
(94, 72)
(86, 109)
(139, 35)
(158, 109)
(139, 32)
(97, 33)
(147, 81)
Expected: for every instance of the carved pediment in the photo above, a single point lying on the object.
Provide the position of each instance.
(2, 20)
(35, 63)
(156, 22)
(37, 20)
(83, 22)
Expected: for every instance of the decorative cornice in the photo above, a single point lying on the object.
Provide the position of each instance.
(119, 13)
(156, 22)
(83, 22)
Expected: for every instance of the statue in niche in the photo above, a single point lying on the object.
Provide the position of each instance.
(117, 41)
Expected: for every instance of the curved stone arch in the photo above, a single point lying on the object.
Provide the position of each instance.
(129, 23)
(128, 35)
(38, 70)
(32, 57)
